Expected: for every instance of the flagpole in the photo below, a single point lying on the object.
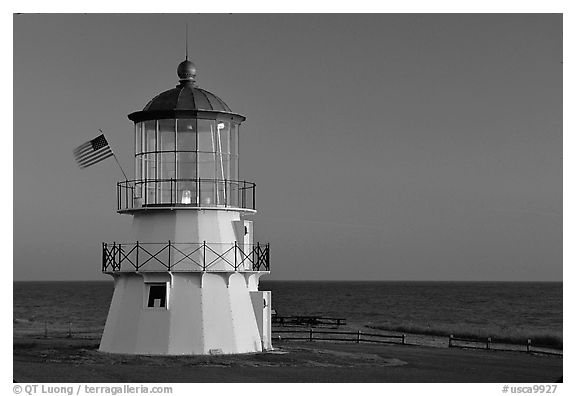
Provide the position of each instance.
(125, 177)
(120, 166)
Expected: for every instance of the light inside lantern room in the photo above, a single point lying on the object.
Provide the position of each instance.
(186, 197)
(172, 155)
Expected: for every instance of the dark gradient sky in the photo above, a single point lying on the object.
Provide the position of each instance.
(384, 147)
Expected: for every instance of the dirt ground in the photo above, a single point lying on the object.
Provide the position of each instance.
(78, 360)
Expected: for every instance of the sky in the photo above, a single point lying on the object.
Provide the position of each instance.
(383, 146)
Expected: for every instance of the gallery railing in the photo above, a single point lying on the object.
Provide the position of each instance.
(171, 256)
(182, 193)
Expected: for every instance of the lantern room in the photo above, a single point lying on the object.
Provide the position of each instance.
(186, 152)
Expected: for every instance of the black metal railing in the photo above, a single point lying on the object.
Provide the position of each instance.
(171, 256)
(158, 193)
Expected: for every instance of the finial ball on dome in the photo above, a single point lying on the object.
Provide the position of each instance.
(186, 71)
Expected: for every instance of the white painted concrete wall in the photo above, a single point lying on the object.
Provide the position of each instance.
(262, 305)
(247, 334)
(216, 227)
(121, 331)
(206, 313)
(186, 326)
(185, 226)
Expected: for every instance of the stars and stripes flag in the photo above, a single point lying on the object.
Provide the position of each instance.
(92, 152)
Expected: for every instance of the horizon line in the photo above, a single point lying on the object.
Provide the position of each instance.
(323, 280)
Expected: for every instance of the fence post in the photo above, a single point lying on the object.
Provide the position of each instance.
(450, 341)
(403, 339)
(235, 252)
(69, 329)
(114, 254)
(488, 342)
(169, 248)
(358, 337)
(267, 257)
(103, 256)
(137, 248)
(256, 254)
(311, 331)
(204, 256)
(528, 344)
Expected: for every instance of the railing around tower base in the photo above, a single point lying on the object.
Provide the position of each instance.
(172, 256)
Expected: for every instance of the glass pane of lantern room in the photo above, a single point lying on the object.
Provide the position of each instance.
(149, 161)
(206, 136)
(207, 147)
(149, 185)
(223, 136)
(137, 138)
(186, 172)
(137, 150)
(167, 173)
(207, 193)
(186, 185)
(223, 149)
(234, 152)
(206, 166)
(186, 134)
(166, 159)
(167, 132)
(150, 136)
(207, 176)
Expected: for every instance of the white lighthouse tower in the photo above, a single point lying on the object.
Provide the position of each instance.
(187, 280)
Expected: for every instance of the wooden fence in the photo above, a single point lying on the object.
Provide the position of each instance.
(359, 336)
(316, 335)
(486, 343)
(350, 336)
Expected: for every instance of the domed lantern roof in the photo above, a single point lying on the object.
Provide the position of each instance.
(185, 101)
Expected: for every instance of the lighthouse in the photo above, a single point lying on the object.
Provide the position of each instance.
(186, 280)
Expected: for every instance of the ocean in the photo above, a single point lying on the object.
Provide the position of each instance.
(507, 311)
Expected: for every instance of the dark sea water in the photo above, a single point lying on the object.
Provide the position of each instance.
(506, 310)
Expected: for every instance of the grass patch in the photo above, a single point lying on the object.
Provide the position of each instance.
(25, 345)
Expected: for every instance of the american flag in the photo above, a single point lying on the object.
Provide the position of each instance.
(92, 152)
